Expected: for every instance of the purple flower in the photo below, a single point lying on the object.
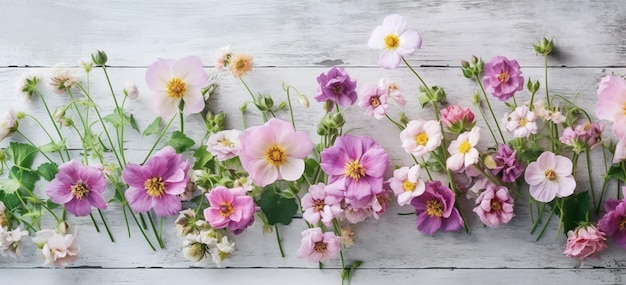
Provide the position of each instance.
(435, 209)
(355, 166)
(503, 78)
(78, 187)
(157, 182)
(583, 135)
(613, 223)
(319, 205)
(335, 86)
(507, 164)
(494, 206)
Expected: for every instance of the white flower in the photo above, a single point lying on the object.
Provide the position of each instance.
(406, 184)
(224, 144)
(223, 58)
(222, 250)
(421, 137)
(462, 150)
(8, 124)
(131, 90)
(11, 241)
(196, 246)
(58, 250)
(522, 122)
(394, 40)
(63, 79)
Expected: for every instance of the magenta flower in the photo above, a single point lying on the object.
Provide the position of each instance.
(613, 223)
(156, 184)
(395, 41)
(274, 151)
(583, 135)
(435, 209)
(494, 206)
(407, 184)
(457, 119)
(503, 78)
(612, 103)
(317, 246)
(78, 187)
(230, 208)
(336, 86)
(319, 205)
(374, 101)
(585, 241)
(549, 177)
(174, 81)
(507, 164)
(355, 166)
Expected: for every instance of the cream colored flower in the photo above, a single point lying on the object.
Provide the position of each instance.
(58, 250)
(240, 65)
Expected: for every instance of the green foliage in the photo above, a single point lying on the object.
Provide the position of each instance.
(180, 142)
(276, 207)
(616, 172)
(575, 209)
(203, 157)
(154, 128)
(118, 118)
(48, 170)
(22, 154)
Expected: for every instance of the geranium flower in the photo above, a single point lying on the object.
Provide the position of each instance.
(585, 241)
(494, 206)
(174, 81)
(230, 208)
(507, 164)
(521, 123)
(406, 184)
(156, 184)
(355, 166)
(224, 144)
(78, 187)
(319, 205)
(395, 41)
(58, 250)
(8, 124)
(335, 86)
(435, 209)
(374, 101)
(462, 150)
(503, 78)
(612, 103)
(317, 246)
(613, 223)
(393, 90)
(421, 137)
(549, 177)
(274, 151)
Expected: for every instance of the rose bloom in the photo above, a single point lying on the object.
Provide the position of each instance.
(173, 81)
(585, 241)
(393, 90)
(317, 246)
(549, 177)
(462, 150)
(58, 250)
(374, 101)
(335, 86)
(78, 187)
(274, 151)
(421, 137)
(394, 40)
(457, 119)
(319, 205)
(612, 103)
(521, 123)
(240, 64)
(494, 206)
(224, 144)
(435, 209)
(230, 208)
(8, 124)
(406, 184)
(502, 78)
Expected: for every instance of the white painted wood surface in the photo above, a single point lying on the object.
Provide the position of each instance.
(294, 42)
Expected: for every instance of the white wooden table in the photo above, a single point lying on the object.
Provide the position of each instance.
(294, 41)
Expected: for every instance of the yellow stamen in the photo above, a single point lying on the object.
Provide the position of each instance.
(275, 155)
(503, 76)
(375, 101)
(496, 206)
(421, 138)
(465, 147)
(226, 209)
(523, 122)
(408, 186)
(320, 247)
(79, 190)
(550, 174)
(433, 208)
(392, 41)
(354, 170)
(622, 224)
(226, 142)
(318, 205)
(155, 186)
(176, 88)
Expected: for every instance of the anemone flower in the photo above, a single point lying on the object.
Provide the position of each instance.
(394, 40)
(549, 177)
(317, 246)
(78, 187)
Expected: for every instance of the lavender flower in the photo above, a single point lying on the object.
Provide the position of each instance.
(435, 209)
(336, 86)
(507, 164)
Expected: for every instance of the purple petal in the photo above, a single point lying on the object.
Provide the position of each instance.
(79, 208)
(138, 199)
(166, 205)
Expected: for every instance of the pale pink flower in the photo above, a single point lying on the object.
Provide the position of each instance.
(63, 80)
(549, 177)
(620, 151)
(78, 188)
(223, 59)
(58, 250)
(463, 152)
(406, 184)
(130, 89)
(457, 119)
(230, 208)
(224, 144)
(374, 101)
(494, 206)
(585, 241)
(393, 90)
(173, 81)
(421, 137)
(274, 151)
(8, 124)
(317, 246)
(521, 123)
(395, 41)
(355, 215)
(319, 205)
(11, 241)
(612, 103)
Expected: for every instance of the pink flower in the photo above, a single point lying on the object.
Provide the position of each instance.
(317, 246)
(224, 144)
(374, 101)
(494, 206)
(457, 119)
(230, 208)
(406, 184)
(435, 209)
(156, 184)
(503, 78)
(549, 177)
(612, 103)
(620, 151)
(585, 241)
(337, 87)
(355, 166)
(8, 124)
(393, 90)
(223, 59)
(462, 150)
(318, 205)
(58, 250)
(507, 164)
(421, 137)
(174, 81)
(521, 123)
(274, 151)
(78, 187)
(394, 40)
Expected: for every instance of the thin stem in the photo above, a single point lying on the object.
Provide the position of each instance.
(394, 122)
(182, 121)
(293, 122)
(547, 223)
(48, 134)
(43, 100)
(545, 69)
(592, 190)
(482, 88)
(430, 177)
(93, 220)
(106, 226)
(253, 98)
(156, 233)
(32, 143)
(158, 139)
(120, 137)
(280, 244)
(482, 113)
(540, 210)
(142, 231)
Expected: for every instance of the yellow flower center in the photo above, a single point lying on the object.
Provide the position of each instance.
(320, 247)
(496, 206)
(421, 138)
(226, 209)
(354, 170)
(275, 155)
(503, 76)
(523, 122)
(226, 142)
(550, 174)
(155, 186)
(392, 41)
(622, 224)
(465, 147)
(408, 186)
(176, 88)
(433, 208)
(318, 205)
(375, 101)
(79, 190)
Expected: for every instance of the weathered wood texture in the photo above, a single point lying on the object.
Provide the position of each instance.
(294, 41)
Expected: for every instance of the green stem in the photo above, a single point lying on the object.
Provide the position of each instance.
(592, 190)
(540, 210)
(394, 122)
(94, 222)
(495, 119)
(547, 223)
(106, 226)
(182, 121)
(158, 139)
(430, 177)
(43, 100)
(31, 142)
(141, 230)
(545, 69)
(253, 98)
(278, 240)
(293, 122)
(120, 137)
(482, 113)
(48, 134)
(156, 233)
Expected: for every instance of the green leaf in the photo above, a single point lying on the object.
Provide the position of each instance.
(154, 127)
(203, 156)
(133, 123)
(51, 205)
(180, 142)
(48, 170)
(26, 178)
(530, 154)
(575, 210)
(10, 201)
(310, 165)
(616, 172)
(49, 147)
(277, 208)
(10, 186)
(22, 154)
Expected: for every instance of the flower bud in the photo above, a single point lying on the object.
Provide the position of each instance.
(59, 113)
(195, 251)
(99, 58)
(62, 227)
(87, 65)
(489, 162)
(130, 89)
(304, 101)
(67, 122)
(439, 94)
(338, 120)
(2, 157)
(243, 107)
(543, 47)
(476, 99)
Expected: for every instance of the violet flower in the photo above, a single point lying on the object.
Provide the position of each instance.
(613, 223)
(78, 187)
(507, 164)
(503, 78)
(435, 209)
(335, 86)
